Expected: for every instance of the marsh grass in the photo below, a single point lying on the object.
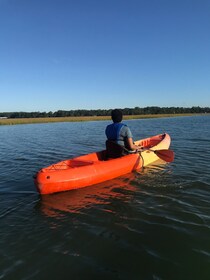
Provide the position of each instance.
(81, 119)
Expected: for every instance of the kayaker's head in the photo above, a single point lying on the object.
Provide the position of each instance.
(117, 115)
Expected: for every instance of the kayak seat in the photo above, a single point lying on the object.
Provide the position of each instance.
(114, 150)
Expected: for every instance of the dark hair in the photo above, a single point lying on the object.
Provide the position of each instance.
(117, 115)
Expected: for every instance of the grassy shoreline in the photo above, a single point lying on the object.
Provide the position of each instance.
(84, 119)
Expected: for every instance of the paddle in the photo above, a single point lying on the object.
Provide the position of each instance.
(166, 155)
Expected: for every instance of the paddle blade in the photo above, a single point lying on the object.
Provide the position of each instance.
(166, 155)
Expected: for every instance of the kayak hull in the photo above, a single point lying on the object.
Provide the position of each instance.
(95, 168)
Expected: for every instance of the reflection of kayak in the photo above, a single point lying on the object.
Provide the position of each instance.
(119, 189)
(95, 168)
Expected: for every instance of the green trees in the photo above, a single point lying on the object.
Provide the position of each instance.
(107, 112)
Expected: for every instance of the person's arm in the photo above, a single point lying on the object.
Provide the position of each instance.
(132, 146)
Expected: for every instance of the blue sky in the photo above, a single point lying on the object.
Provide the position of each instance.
(101, 54)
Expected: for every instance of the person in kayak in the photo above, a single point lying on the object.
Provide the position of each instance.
(119, 137)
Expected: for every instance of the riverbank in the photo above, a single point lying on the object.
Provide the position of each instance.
(83, 119)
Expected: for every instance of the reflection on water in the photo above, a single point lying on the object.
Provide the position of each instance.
(76, 201)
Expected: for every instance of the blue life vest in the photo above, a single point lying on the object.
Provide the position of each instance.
(113, 132)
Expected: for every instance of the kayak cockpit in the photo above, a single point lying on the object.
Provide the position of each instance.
(81, 161)
(151, 142)
(98, 157)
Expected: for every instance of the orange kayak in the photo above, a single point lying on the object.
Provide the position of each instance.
(94, 168)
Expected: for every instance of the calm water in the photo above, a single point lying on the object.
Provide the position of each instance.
(151, 224)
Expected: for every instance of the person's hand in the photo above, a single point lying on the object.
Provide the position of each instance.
(140, 148)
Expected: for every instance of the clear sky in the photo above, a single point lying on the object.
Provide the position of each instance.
(101, 54)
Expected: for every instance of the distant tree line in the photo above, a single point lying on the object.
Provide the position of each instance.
(103, 112)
